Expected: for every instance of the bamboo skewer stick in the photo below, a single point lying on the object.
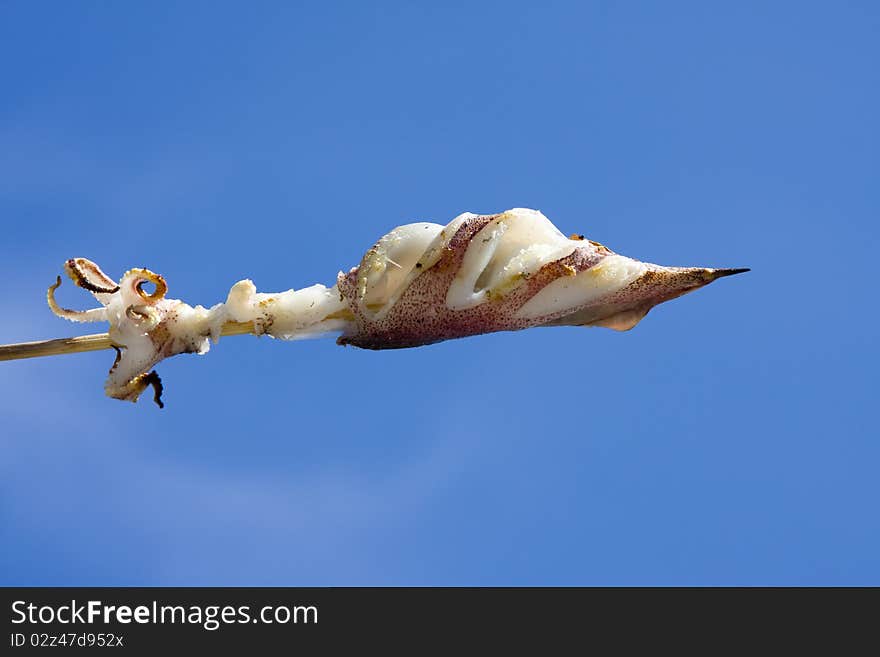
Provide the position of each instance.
(84, 343)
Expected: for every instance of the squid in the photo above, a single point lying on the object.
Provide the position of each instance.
(420, 284)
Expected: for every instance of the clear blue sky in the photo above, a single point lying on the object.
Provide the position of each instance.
(731, 438)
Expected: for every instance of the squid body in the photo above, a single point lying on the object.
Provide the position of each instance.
(419, 284)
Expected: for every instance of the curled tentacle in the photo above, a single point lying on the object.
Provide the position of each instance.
(133, 388)
(91, 315)
(146, 317)
(140, 277)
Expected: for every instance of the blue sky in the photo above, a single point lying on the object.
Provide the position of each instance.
(729, 439)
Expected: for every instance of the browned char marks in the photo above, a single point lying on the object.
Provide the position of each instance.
(87, 275)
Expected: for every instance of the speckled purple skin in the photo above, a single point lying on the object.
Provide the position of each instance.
(420, 316)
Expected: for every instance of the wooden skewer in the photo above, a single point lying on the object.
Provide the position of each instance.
(83, 343)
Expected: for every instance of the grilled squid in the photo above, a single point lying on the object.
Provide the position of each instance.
(421, 283)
